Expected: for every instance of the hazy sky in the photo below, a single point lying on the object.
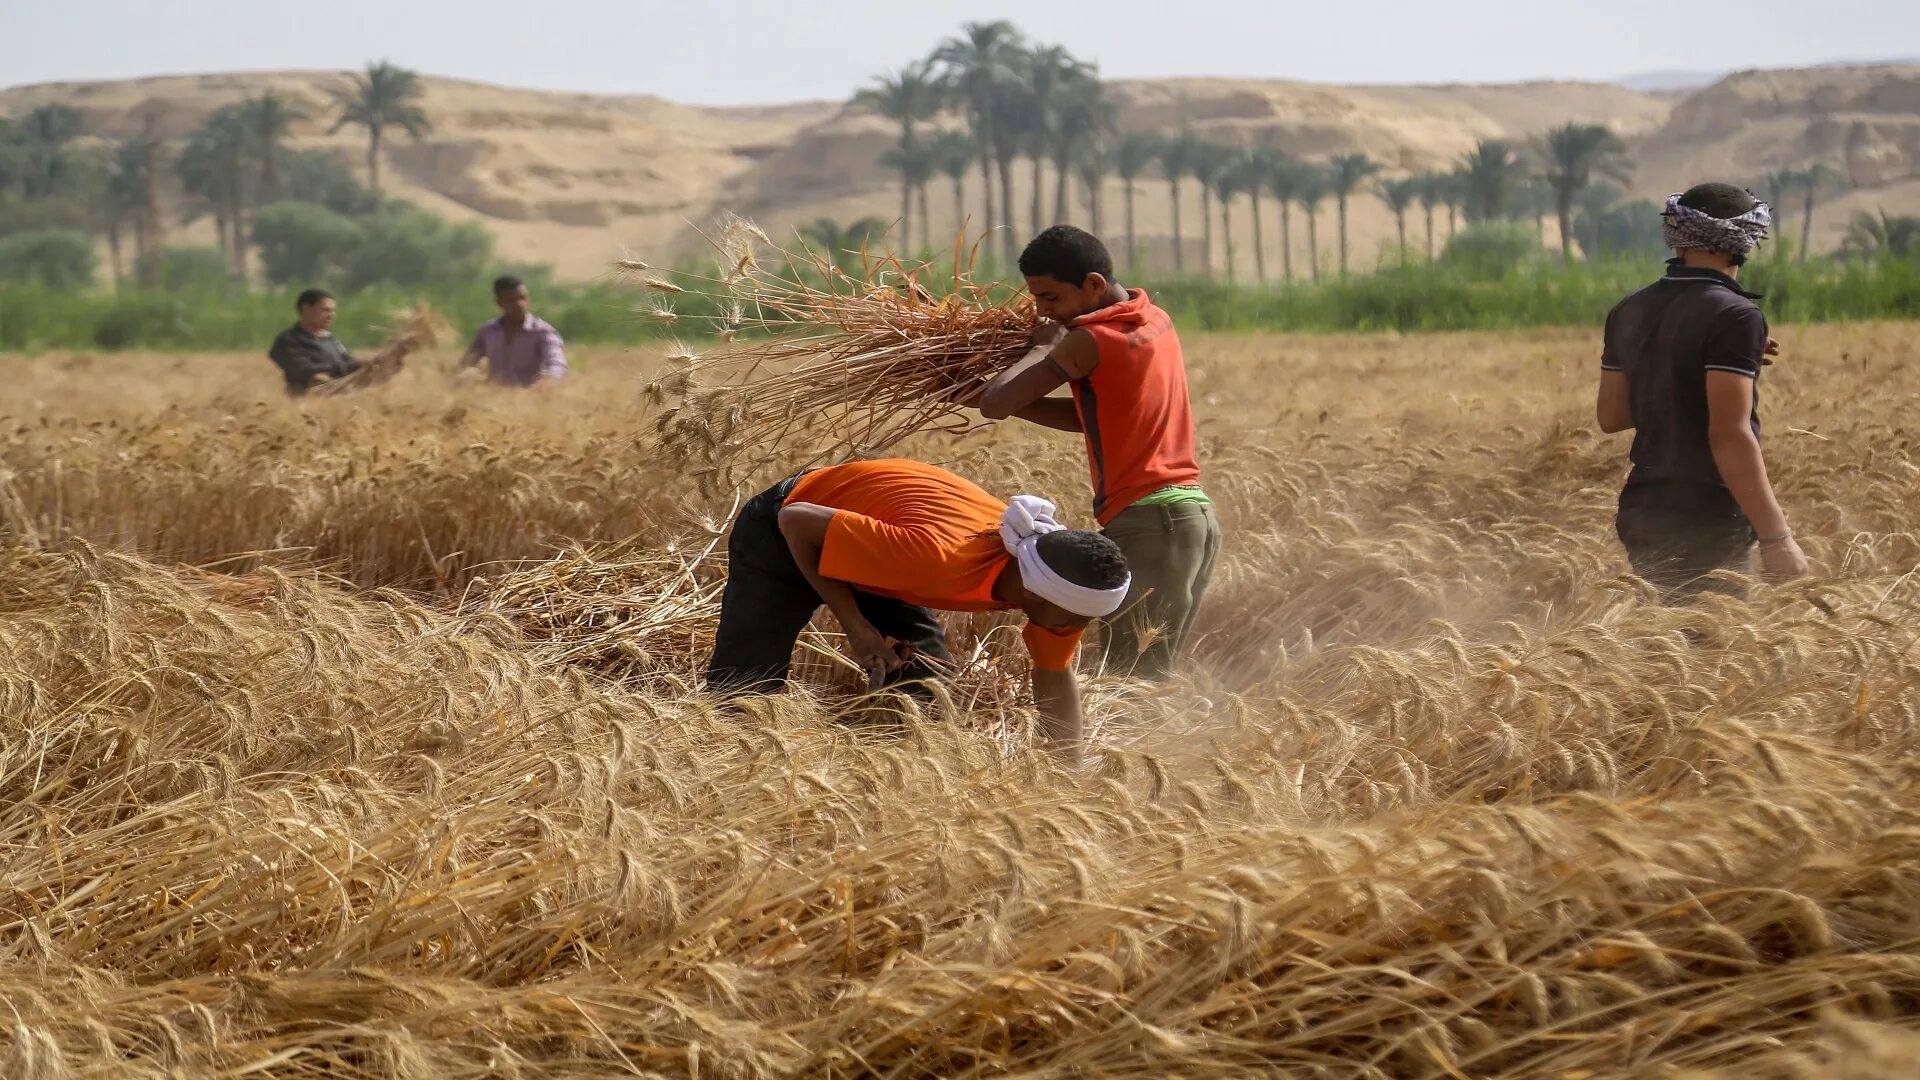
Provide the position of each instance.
(741, 51)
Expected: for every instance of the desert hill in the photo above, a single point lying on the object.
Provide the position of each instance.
(577, 180)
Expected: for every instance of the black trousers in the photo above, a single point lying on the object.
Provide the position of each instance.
(1675, 536)
(768, 602)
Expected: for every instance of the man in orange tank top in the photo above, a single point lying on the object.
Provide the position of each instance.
(1120, 358)
(882, 542)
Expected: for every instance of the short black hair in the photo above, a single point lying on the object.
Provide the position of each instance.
(505, 283)
(1067, 254)
(309, 298)
(1719, 200)
(1087, 559)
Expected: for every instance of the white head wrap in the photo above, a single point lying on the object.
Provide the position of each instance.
(1685, 228)
(1028, 518)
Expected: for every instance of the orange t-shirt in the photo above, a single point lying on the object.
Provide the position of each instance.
(919, 533)
(1134, 407)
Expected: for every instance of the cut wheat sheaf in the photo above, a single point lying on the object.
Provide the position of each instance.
(810, 358)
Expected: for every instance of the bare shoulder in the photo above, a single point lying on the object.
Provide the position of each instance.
(1078, 353)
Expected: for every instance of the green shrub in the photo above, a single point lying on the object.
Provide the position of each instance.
(304, 243)
(1491, 250)
(404, 245)
(58, 258)
(185, 267)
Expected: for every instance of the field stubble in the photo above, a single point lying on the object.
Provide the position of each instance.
(394, 786)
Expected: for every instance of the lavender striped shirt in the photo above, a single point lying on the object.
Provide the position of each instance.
(536, 352)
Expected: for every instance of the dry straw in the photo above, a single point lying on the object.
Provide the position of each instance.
(415, 328)
(816, 359)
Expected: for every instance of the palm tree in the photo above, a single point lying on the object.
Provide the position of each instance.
(1082, 123)
(915, 166)
(1344, 175)
(1574, 155)
(213, 170)
(952, 153)
(1228, 182)
(1131, 156)
(1285, 180)
(1780, 185)
(126, 198)
(269, 120)
(1813, 179)
(1209, 160)
(1399, 196)
(906, 97)
(1050, 70)
(836, 241)
(45, 136)
(1874, 236)
(1176, 162)
(976, 65)
(1432, 193)
(1310, 190)
(1491, 174)
(1453, 190)
(382, 97)
(1255, 168)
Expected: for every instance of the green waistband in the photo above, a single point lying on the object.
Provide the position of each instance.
(1168, 495)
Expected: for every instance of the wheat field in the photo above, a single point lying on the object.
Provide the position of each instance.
(360, 737)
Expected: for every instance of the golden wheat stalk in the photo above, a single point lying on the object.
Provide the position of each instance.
(415, 328)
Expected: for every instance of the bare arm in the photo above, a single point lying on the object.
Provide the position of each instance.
(1613, 410)
(1054, 359)
(1056, 695)
(1736, 452)
(1054, 412)
(804, 525)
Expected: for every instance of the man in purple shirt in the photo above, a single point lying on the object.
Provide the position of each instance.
(519, 347)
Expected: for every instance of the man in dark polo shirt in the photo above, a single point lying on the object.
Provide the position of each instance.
(1681, 368)
(308, 350)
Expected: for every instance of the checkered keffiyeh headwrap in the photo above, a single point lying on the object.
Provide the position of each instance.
(1688, 229)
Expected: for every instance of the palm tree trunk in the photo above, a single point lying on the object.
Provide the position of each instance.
(1206, 230)
(1806, 225)
(1313, 240)
(986, 191)
(1096, 201)
(113, 246)
(1062, 172)
(1179, 260)
(1133, 237)
(239, 212)
(1226, 231)
(1259, 244)
(1429, 210)
(906, 216)
(1039, 182)
(1009, 241)
(1453, 220)
(959, 205)
(220, 231)
(926, 219)
(1400, 226)
(1564, 209)
(1342, 201)
(373, 159)
(1286, 239)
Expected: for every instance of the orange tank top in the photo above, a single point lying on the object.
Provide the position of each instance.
(1134, 407)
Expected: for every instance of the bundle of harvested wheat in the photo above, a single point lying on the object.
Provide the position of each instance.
(416, 328)
(835, 364)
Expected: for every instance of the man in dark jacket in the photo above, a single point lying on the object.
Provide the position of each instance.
(308, 350)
